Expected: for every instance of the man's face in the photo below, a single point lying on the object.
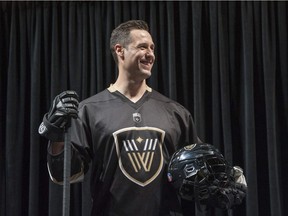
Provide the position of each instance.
(139, 55)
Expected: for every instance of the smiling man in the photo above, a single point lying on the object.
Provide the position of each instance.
(135, 58)
(125, 134)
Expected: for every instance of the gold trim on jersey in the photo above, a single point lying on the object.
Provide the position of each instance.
(113, 89)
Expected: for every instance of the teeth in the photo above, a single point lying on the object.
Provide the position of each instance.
(146, 62)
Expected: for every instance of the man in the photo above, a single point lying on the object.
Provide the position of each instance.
(125, 134)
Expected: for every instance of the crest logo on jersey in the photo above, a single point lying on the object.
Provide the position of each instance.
(139, 151)
(137, 117)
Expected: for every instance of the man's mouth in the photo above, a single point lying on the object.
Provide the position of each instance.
(146, 63)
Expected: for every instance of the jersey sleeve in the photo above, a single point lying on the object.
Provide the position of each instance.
(55, 164)
(187, 127)
(80, 154)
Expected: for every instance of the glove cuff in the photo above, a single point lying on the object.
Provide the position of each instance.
(50, 131)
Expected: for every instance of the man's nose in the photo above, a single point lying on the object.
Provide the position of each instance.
(150, 52)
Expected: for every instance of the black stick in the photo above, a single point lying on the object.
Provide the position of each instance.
(66, 174)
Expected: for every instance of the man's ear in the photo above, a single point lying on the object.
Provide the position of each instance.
(119, 50)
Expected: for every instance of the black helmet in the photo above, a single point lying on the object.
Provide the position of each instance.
(200, 172)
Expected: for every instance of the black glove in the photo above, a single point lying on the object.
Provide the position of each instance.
(222, 192)
(64, 106)
(225, 197)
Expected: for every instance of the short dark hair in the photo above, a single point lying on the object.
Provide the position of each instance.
(121, 34)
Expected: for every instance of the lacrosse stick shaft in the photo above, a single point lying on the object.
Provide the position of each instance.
(66, 174)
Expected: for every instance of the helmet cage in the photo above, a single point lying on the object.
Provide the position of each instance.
(205, 166)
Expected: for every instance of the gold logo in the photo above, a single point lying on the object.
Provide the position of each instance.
(139, 150)
(189, 147)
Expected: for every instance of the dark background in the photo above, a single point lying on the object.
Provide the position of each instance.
(225, 61)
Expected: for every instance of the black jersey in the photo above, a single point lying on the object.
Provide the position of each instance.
(128, 146)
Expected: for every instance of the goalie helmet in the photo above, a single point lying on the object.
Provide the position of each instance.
(200, 172)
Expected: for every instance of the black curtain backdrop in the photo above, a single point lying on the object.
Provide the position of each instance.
(225, 61)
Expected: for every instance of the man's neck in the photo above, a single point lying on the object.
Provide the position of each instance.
(132, 90)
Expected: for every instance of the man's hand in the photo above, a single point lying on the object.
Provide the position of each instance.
(64, 107)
